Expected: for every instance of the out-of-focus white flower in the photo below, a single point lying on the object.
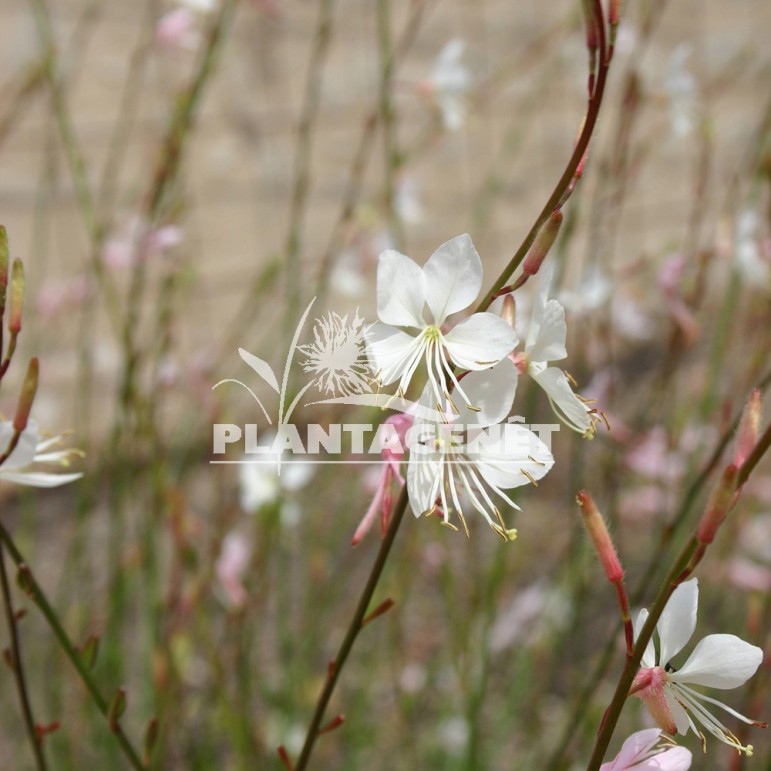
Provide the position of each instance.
(265, 477)
(747, 257)
(20, 465)
(642, 751)
(592, 293)
(718, 661)
(680, 86)
(544, 344)
(407, 201)
(448, 282)
(448, 84)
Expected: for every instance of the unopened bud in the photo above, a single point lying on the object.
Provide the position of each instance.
(89, 651)
(116, 709)
(614, 13)
(25, 580)
(3, 267)
(384, 607)
(16, 296)
(543, 242)
(335, 722)
(720, 503)
(598, 532)
(749, 428)
(27, 396)
(509, 310)
(151, 739)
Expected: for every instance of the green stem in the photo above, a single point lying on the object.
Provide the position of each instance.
(18, 669)
(354, 628)
(36, 593)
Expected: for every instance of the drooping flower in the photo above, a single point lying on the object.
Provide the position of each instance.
(642, 751)
(472, 453)
(545, 343)
(718, 661)
(19, 466)
(392, 454)
(448, 282)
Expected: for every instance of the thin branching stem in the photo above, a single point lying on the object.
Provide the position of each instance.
(17, 667)
(38, 597)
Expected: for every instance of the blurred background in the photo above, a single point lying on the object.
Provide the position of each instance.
(181, 179)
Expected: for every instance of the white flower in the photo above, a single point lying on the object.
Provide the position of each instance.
(29, 450)
(546, 343)
(448, 282)
(748, 260)
(452, 454)
(680, 86)
(264, 478)
(642, 752)
(718, 661)
(449, 81)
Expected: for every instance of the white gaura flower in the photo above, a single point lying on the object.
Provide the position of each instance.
(448, 282)
(718, 661)
(473, 453)
(545, 343)
(643, 752)
(19, 466)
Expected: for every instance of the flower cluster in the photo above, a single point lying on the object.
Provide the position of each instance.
(464, 450)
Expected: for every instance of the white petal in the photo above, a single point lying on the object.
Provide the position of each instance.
(37, 478)
(539, 307)
(548, 341)
(565, 403)
(453, 277)
(720, 661)
(679, 715)
(673, 759)
(678, 620)
(24, 452)
(491, 392)
(423, 471)
(502, 461)
(480, 341)
(400, 290)
(389, 350)
(649, 657)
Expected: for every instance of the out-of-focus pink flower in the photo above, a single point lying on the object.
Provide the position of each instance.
(652, 457)
(53, 299)
(745, 574)
(670, 282)
(392, 455)
(642, 752)
(407, 201)
(178, 29)
(231, 566)
(135, 241)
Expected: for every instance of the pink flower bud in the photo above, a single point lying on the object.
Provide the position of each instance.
(720, 503)
(543, 243)
(749, 428)
(598, 532)
(16, 296)
(28, 391)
